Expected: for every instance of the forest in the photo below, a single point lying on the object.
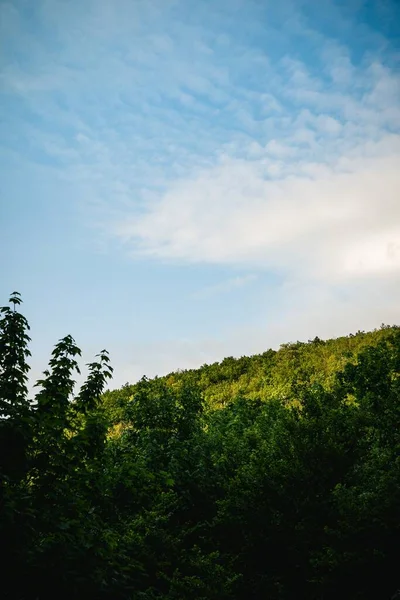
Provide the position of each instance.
(274, 477)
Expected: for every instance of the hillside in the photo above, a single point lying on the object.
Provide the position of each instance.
(270, 477)
(271, 375)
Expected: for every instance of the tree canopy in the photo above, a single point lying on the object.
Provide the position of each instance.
(275, 476)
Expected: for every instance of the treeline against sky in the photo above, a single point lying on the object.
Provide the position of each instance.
(275, 476)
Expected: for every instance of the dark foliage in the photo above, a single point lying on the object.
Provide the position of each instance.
(268, 477)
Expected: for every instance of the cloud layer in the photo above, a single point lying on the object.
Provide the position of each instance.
(329, 223)
(257, 137)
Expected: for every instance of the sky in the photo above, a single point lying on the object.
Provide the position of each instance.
(184, 180)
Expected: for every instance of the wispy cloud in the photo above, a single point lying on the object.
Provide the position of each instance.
(223, 287)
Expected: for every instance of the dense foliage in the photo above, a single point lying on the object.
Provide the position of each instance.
(275, 476)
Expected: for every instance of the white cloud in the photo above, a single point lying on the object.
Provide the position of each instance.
(338, 63)
(276, 148)
(338, 222)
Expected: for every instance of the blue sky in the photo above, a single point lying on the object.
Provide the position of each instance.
(184, 180)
